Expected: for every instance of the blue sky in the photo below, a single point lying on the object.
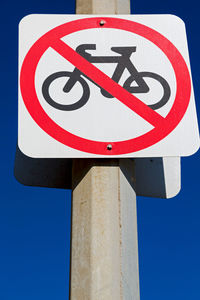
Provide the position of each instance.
(35, 222)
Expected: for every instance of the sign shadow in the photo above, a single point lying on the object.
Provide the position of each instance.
(154, 177)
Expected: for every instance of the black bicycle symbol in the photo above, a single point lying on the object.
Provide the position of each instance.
(123, 62)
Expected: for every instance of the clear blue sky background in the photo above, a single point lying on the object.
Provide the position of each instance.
(35, 222)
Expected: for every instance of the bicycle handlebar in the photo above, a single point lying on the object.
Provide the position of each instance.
(82, 50)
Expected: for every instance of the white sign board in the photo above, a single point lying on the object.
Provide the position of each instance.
(105, 86)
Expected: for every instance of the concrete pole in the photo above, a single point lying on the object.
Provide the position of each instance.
(104, 247)
(97, 7)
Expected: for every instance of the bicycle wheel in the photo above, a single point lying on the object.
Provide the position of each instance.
(65, 107)
(160, 79)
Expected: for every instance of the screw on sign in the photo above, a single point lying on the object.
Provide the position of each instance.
(167, 117)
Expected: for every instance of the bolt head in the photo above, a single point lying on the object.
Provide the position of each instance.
(102, 22)
(109, 147)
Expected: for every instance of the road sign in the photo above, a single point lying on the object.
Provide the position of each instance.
(114, 86)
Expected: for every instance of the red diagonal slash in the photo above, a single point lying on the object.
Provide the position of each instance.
(108, 84)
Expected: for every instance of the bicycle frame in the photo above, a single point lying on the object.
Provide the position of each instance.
(123, 62)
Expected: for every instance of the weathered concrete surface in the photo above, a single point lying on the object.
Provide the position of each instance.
(103, 7)
(104, 255)
(95, 268)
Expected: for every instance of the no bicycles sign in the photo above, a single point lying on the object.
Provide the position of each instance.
(105, 86)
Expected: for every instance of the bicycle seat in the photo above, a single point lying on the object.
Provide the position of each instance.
(124, 50)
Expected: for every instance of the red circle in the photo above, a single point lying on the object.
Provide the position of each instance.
(27, 84)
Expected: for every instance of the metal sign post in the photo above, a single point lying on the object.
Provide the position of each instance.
(104, 250)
